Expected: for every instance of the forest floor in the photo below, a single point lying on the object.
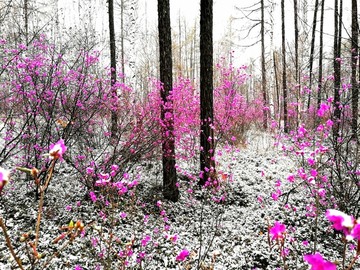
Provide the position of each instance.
(231, 235)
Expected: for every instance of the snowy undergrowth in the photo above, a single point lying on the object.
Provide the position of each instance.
(230, 235)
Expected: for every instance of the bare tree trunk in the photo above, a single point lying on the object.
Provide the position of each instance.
(337, 69)
(180, 52)
(26, 19)
(286, 128)
(321, 46)
(122, 36)
(278, 105)
(207, 164)
(114, 118)
(263, 71)
(170, 190)
(312, 48)
(297, 75)
(354, 58)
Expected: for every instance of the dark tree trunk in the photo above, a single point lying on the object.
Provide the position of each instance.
(114, 118)
(263, 71)
(170, 190)
(286, 128)
(312, 49)
(321, 46)
(26, 19)
(354, 58)
(278, 103)
(297, 75)
(337, 69)
(207, 164)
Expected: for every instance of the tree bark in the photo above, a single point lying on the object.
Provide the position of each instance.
(114, 118)
(354, 58)
(297, 75)
(263, 69)
(170, 190)
(337, 69)
(207, 164)
(122, 37)
(312, 49)
(26, 19)
(321, 47)
(286, 128)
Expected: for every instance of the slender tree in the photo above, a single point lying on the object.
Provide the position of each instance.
(312, 48)
(114, 118)
(122, 37)
(297, 73)
(337, 67)
(296, 39)
(26, 19)
(283, 48)
(170, 190)
(263, 69)
(321, 48)
(207, 164)
(354, 58)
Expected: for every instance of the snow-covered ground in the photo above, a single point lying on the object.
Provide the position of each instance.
(232, 235)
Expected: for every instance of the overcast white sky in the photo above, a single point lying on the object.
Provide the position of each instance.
(224, 9)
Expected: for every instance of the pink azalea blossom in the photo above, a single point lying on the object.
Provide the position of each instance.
(89, 170)
(145, 240)
(291, 178)
(311, 161)
(182, 255)
(318, 263)
(277, 231)
(340, 220)
(355, 233)
(173, 238)
(4, 178)
(323, 109)
(92, 196)
(57, 150)
(329, 123)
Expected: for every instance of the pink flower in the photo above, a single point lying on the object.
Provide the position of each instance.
(274, 196)
(329, 123)
(355, 233)
(311, 161)
(313, 173)
(145, 240)
(78, 267)
(340, 220)
(291, 178)
(4, 178)
(173, 238)
(89, 170)
(318, 263)
(323, 109)
(158, 203)
(278, 230)
(102, 182)
(92, 196)
(182, 255)
(57, 150)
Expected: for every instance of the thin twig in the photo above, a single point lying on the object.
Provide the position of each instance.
(8, 243)
(41, 202)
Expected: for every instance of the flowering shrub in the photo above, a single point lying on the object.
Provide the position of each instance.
(48, 97)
